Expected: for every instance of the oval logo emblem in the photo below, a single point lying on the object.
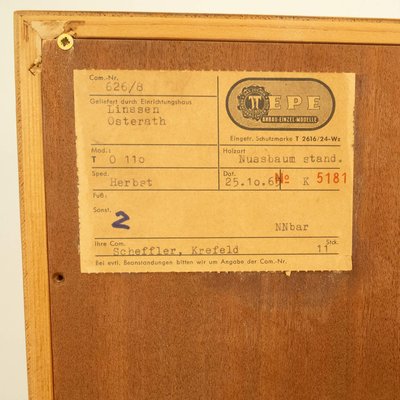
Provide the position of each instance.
(280, 104)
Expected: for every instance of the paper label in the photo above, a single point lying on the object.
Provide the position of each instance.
(214, 170)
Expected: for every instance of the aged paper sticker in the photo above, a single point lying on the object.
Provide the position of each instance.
(214, 170)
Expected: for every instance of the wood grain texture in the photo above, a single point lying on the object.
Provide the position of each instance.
(33, 214)
(213, 27)
(246, 336)
(370, 296)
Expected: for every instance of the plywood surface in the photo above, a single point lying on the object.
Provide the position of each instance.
(230, 335)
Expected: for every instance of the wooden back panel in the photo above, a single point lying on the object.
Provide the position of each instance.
(231, 335)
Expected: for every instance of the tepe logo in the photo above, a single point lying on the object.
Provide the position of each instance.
(288, 104)
(254, 102)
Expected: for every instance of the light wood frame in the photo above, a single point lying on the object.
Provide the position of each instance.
(32, 28)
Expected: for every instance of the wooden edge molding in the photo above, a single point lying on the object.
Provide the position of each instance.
(213, 27)
(32, 209)
(31, 28)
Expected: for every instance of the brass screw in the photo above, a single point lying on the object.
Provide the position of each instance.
(65, 41)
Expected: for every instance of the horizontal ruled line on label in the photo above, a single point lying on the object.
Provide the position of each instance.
(218, 237)
(216, 168)
(280, 145)
(215, 145)
(277, 168)
(151, 95)
(216, 190)
(154, 144)
(218, 255)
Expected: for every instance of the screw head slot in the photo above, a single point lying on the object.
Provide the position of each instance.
(65, 41)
